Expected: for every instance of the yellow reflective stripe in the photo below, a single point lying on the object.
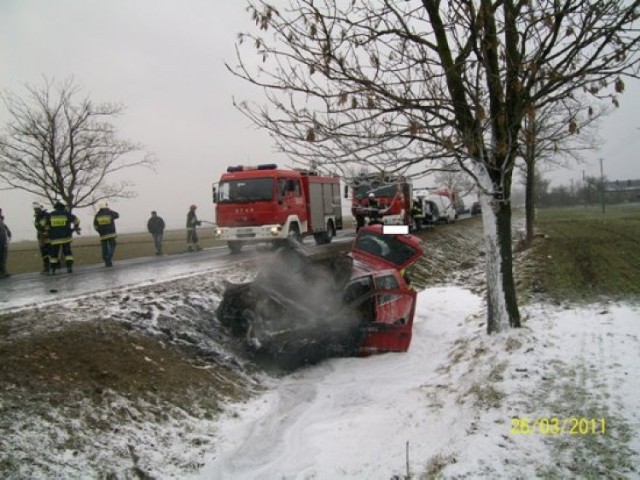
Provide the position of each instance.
(108, 236)
(58, 221)
(103, 219)
(60, 241)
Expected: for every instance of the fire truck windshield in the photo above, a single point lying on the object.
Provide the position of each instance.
(246, 190)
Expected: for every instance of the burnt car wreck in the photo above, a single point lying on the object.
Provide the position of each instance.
(302, 308)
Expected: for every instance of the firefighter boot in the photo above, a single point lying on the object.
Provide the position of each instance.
(45, 266)
(69, 264)
(53, 268)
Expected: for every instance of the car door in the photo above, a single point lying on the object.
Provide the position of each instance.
(395, 307)
(392, 307)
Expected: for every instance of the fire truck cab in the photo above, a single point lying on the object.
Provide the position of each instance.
(267, 204)
(379, 198)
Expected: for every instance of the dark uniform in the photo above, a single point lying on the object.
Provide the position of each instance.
(5, 237)
(192, 235)
(104, 223)
(60, 228)
(374, 209)
(40, 221)
(416, 214)
(155, 226)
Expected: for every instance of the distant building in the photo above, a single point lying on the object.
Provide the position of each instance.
(621, 191)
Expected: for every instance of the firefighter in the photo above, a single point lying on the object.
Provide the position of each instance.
(104, 223)
(374, 209)
(5, 238)
(61, 226)
(40, 221)
(192, 235)
(416, 214)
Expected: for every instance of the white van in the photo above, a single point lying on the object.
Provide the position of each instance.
(435, 207)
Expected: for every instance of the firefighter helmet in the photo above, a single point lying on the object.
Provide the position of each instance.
(58, 205)
(192, 207)
(103, 204)
(37, 206)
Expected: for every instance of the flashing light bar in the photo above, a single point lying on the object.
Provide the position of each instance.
(244, 168)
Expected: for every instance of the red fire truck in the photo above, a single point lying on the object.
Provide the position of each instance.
(267, 204)
(380, 198)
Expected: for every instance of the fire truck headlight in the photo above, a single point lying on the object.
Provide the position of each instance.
(276, 230)
(218, 232)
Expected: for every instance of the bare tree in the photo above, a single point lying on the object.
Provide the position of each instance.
(400, 83)
(58, 148)
(553, 135)
(456, 180)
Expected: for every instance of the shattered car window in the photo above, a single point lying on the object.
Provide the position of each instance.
(387, 282)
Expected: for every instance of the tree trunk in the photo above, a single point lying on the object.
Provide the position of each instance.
(502, 304)
(530, 205)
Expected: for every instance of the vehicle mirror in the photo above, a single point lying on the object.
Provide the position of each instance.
(346, 191)
(214, 194)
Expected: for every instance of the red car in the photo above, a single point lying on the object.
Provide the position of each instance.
(378, 273)
(302, 308)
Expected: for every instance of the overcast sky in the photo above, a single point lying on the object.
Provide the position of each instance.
(164, 60)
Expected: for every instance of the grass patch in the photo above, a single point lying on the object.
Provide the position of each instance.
(585, 255)
(24, 256)
(436, 465)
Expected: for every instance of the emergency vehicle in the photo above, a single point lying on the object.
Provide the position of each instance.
(266, 204)
(380, 198)
(437, 204)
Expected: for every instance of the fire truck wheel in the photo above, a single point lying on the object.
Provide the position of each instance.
(322, 238)
(234, 247)
(331, 231)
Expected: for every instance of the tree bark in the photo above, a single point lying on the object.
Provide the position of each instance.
(502, 303)
(529, 201)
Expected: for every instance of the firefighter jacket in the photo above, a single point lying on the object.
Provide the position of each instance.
(61, 226)
(416, 210)
(104, 223)
(192, 220)
(41, 222)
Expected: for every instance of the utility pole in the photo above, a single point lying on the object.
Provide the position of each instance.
(584, 189)
(602, 185)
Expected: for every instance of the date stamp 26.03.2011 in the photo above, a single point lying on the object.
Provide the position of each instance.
(558, 426)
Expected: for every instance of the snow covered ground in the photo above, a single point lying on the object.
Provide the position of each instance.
(455, 404)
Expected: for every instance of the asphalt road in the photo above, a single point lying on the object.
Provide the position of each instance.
(31, 289)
